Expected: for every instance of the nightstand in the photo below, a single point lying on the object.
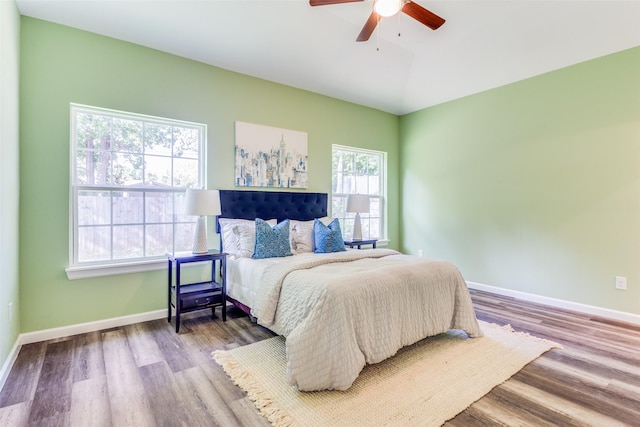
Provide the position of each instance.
(200, 295)
(359, 243)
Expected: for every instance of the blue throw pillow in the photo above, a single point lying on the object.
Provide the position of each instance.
(272, 241)
(327, 238)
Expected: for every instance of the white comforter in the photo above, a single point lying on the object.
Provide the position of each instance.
(343, 310)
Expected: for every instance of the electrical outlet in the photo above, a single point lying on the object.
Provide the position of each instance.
(419, 252)
(621, 282)
(10, 311)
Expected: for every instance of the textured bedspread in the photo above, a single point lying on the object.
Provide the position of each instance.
(343, 310)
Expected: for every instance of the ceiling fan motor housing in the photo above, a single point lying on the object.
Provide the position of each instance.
(384, 8)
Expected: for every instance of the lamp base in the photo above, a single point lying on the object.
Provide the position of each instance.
(357, 229)
(200, 238)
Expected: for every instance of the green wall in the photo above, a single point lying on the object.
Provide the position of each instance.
(9, 176)
(534, 186)
(61, 65)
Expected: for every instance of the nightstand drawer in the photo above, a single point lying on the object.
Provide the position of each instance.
(201, 300)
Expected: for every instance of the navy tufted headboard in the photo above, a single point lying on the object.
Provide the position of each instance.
(246, 204)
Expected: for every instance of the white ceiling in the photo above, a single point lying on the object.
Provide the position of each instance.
(482, 45)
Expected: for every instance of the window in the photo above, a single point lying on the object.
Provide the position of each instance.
(129, 173)
(358, 171)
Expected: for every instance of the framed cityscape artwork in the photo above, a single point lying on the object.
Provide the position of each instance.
(270, 157)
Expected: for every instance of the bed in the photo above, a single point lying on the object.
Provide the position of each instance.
(338, 310)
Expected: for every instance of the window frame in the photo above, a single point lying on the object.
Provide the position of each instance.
(83, 269)
(339, 199)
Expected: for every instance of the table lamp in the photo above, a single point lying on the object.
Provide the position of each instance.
(201, 202)
(358, 203)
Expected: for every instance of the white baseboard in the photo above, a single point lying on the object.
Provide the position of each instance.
(553, 302)
(81, 328)
(65, 331)
(8, 363)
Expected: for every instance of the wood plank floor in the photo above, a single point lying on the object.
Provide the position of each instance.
(147, 375)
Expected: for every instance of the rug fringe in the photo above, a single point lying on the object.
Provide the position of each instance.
(243, 379)
(509, 328)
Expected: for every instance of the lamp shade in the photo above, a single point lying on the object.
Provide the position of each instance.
(358, 203)
(202, 202)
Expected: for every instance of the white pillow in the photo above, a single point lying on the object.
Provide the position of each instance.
(231, 237)
(246, 239)
(301, 235)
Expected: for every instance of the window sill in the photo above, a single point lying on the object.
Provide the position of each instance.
(89, 271)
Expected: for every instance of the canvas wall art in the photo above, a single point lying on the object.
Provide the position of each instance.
(270, 157)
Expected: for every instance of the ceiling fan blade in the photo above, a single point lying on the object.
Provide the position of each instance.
(423, 15)
(326, 2)
(368, 28)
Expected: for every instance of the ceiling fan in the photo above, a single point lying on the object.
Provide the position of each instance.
(386, 8)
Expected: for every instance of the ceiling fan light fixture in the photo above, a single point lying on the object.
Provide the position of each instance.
(387, 8)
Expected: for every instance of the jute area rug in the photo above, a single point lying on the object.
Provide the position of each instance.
(422, 385)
